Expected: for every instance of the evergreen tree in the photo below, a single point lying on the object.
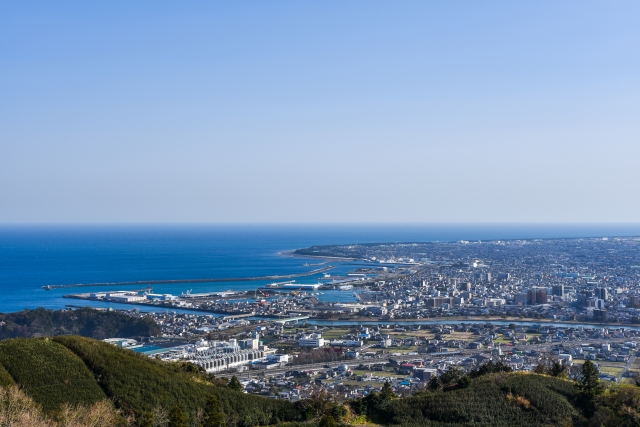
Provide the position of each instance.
(452, 376)
(386, 393)
(176, 417)
(234, 384)
(590, 384)
(541, 368)
(213, 415)
(434, 383)
(464, 382)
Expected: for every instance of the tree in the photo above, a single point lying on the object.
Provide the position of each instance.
(434, 383)
(213, 415)
(553, 367)
(452, 375)
(317, 402)
(541, 369)
(464, 382)
(327, 421)
(385, 392)
(176, 417)
(590, 384)
(234, 384)
(489, 368)
(558, 369)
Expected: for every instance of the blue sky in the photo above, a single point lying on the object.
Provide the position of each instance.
(319, 111)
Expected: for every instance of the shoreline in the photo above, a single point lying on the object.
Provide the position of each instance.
(291, 254)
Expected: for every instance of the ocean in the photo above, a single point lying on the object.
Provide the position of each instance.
(32, 256)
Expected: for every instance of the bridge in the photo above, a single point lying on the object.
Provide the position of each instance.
(291, 319)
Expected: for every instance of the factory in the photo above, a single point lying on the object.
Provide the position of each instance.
(213, 356)
(222, 359)
(119, 296)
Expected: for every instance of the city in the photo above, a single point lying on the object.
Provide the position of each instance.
(419, 312)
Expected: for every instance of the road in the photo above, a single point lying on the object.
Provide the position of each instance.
(627, 367)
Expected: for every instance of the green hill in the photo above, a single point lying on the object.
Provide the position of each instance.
(80, 371)
(492, 400)
(49, 373)
(138, 384)
(505, 400)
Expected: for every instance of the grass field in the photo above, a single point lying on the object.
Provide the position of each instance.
(611, 368)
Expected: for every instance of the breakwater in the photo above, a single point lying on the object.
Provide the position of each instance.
(211, 280)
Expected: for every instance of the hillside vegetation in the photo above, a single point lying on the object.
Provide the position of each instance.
(71, 381)
(5, 378)
(493, 400)
(87, 322)
(138, 385)
(49, 373)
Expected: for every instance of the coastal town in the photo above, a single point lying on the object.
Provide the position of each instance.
(419, 311)
(584, 280)
(289, 359)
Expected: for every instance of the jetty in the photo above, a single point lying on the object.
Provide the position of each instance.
(173, 281)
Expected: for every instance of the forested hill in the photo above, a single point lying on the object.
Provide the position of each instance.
(68, 371)
(88, 322)
(49, 381)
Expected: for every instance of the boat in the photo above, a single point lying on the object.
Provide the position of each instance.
(47, 288)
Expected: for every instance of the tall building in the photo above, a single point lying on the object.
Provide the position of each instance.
(536, 296)
(520, 299)
(438, 302)
(601, 293)
(485, 277)
(584, 297)
(558, 290)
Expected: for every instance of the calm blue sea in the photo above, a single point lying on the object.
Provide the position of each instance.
(33, 256)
